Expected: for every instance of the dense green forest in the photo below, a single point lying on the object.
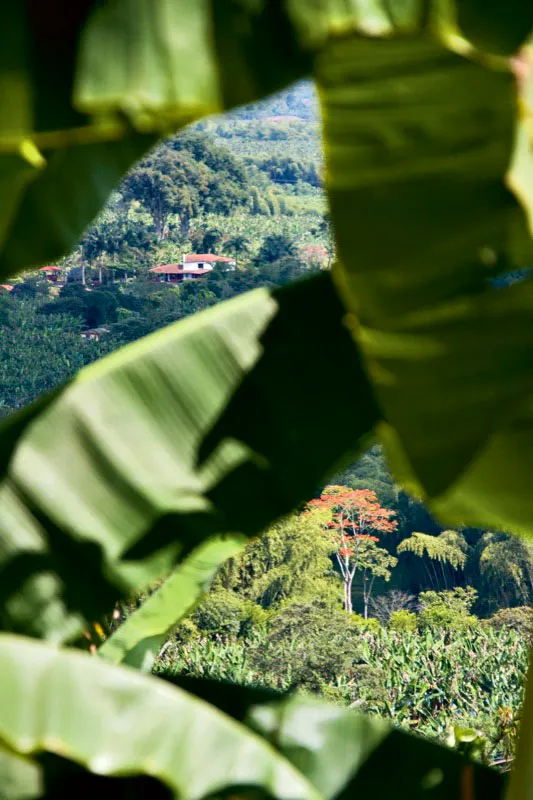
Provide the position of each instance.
(422, 601)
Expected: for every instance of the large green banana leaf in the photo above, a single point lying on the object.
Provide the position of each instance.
(79, 81)
(215, 425)
(93, 86)
(422, 138)
(138, 640)
(114, 721)
(344, 753)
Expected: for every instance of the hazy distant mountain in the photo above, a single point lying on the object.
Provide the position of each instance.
(297, 102)
(285, 125)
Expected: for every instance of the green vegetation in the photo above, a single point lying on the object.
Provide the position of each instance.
(152, 466)
(428, 682)
(188, 195)
(276, 618)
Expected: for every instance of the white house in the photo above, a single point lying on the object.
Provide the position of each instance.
(206, 261)
(192, 267)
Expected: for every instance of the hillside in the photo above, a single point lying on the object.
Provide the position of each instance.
(284, 126)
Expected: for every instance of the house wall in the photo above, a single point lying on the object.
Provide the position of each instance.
(198, 265)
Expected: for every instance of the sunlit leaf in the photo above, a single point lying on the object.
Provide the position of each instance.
(235, 51)
(116, 722)
(138, 640)
(421, 139)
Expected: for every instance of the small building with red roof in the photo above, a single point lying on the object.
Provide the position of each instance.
(192, 266)
(51, 273)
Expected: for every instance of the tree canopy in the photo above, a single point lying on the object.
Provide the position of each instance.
(181, 176)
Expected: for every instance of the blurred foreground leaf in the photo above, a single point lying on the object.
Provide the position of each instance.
(116, 722)
(347, 754)
(344, 753)
(422, 138)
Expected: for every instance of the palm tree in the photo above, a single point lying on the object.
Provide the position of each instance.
(275, 247)
(238, 246)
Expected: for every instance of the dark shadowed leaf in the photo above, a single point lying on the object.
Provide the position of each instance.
(495, 26)
(157, 447)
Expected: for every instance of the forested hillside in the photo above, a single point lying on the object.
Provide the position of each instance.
(195, 192)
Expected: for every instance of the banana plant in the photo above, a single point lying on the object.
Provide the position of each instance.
(202, 434)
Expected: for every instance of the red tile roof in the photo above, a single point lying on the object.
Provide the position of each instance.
(195, 271)
(167, 269)
(50, 269)
(206, 257)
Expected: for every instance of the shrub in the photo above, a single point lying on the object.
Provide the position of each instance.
(222, 612)
(256, 619)
(363, 625)
(403, 621)
(518, 619)
(186, 631)
(448, 609)
(307, 643)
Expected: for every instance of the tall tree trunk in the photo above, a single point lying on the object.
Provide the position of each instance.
(367, 593)
(348, 593)
(83, 273)
(160, 224)
(443, 570)
(185, 222)
(433, 574)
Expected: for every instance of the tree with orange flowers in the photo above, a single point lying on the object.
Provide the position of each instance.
(355, 520)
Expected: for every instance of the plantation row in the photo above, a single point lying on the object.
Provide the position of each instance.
(280, 616)
(453, 688)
